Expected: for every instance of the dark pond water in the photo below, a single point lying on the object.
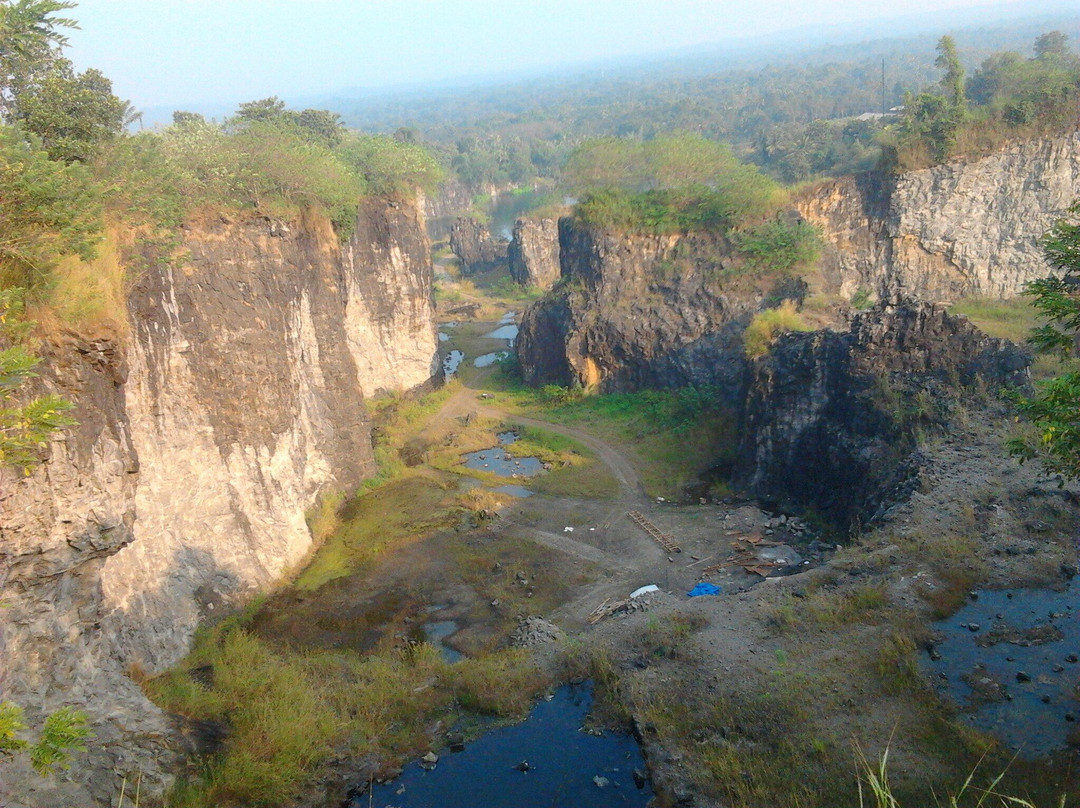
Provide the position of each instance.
(1010, 660)
(497, 461)
(562, 764)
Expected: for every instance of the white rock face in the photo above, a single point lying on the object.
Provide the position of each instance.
(203, 437)
(968, 227)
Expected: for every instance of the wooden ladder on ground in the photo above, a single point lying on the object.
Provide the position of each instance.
(663, 539)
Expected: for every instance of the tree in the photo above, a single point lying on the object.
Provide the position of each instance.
(1051, 44)
(49, 209)
(953, 80)
(1055, 407)
(72, 113)
(30, 39)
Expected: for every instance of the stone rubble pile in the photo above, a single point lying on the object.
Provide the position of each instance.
(535, 631)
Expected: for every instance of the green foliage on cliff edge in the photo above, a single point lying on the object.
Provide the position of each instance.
(1055, 408)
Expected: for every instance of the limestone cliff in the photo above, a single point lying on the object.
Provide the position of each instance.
(968, 227)
(533, 254)
(202, 439)
(635, 310)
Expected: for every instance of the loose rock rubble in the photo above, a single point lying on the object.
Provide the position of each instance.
(535, 631)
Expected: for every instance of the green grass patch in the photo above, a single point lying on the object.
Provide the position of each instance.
(1008, 319)
(374, 522)
(587, 480)
(669, 436)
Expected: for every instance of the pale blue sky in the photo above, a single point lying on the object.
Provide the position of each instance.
(176, 52)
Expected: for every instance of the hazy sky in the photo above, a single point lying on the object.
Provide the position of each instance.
(166, 52)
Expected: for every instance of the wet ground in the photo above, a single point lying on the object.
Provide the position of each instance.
(547, 760)
(1011, 659)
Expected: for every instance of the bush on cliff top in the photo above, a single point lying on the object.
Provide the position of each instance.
(669, 184)
(769, 325)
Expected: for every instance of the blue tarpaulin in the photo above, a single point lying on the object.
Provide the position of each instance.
(703, 589)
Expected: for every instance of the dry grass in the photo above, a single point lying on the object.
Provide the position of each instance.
(88, 296)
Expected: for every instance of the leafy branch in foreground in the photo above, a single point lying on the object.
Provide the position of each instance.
(24, 427)
(64, 731)
(1055, 407)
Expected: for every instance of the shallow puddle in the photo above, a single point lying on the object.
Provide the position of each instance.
(514, 490)
(451, 362)
(489, 359)
(498, 462)
(506, 332)
(1010, 660)
(435, 633)
(444, 337)
(545, 761)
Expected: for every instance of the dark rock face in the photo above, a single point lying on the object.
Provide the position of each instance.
(829, 418)
(533, 254)
(635, 311)
(474, 245)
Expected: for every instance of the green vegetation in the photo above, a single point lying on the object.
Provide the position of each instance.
(669, 184)
(668, 435)
(289, 712)
(25, 426)
(1008, 97)
(66, 159)
(769, 325)
(64, 731)
(1055, 408)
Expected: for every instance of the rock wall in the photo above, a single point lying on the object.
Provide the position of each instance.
(474, 245)
(829, 418)
(968, 227)
(533, 254)
(633, 311)
(202, 439)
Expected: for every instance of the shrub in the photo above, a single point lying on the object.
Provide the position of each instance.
(779, 245)
(767, 326)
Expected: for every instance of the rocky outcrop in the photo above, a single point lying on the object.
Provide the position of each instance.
(474, 245)
(635, 311)
(203, 437)
(967, 227)
(830, 417)
(533, 254)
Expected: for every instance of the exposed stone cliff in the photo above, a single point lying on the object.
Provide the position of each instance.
(968, 227)
(533, 254)
(635, 311)
(830, 417)
(202, 439)
(474, 245)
